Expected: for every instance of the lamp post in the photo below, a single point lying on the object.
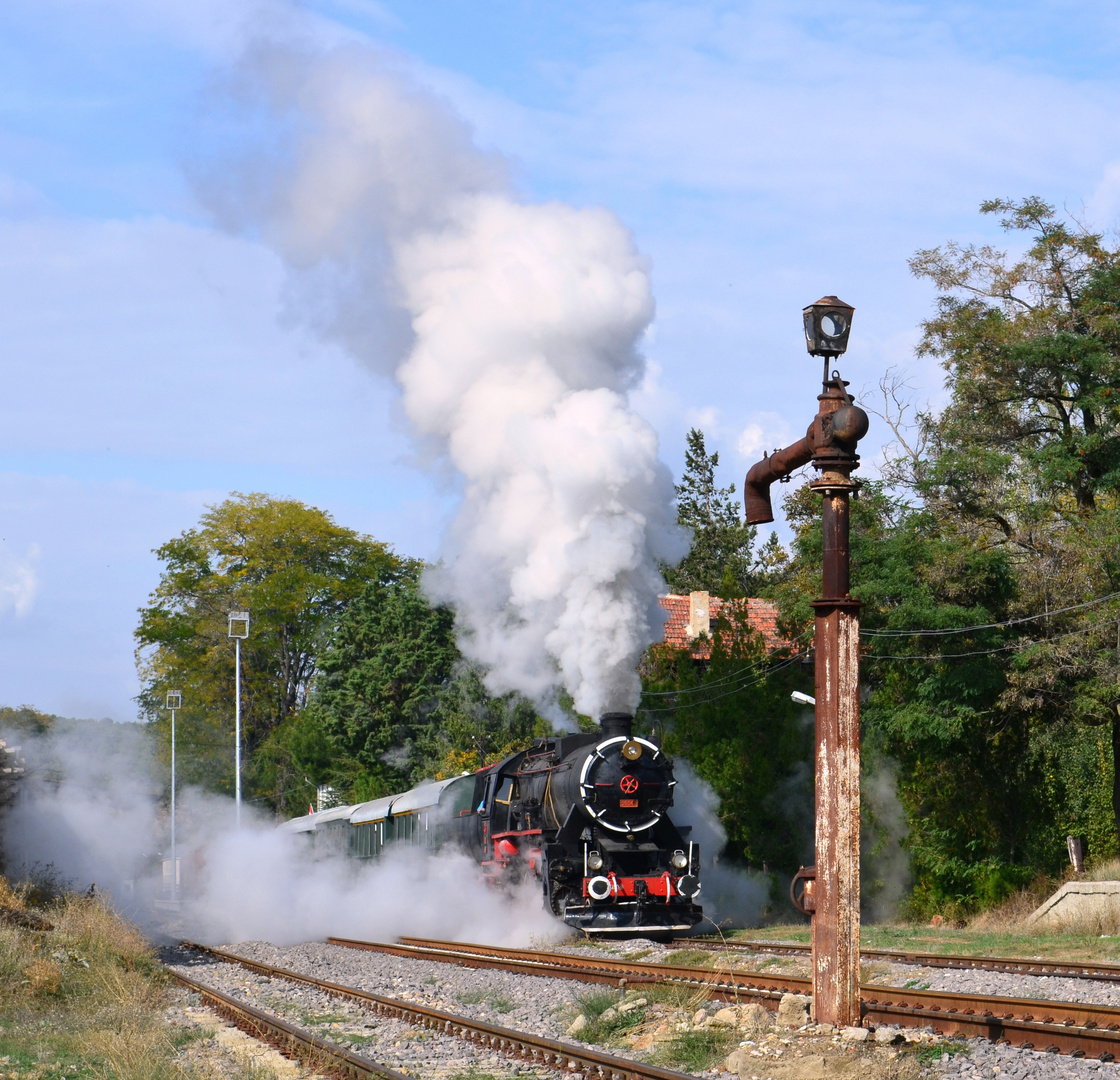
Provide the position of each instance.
(831, 893)
(238, 630)
(174, 703)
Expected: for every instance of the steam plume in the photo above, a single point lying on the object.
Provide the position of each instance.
(512, 330)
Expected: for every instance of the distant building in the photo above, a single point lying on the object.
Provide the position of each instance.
(692, 618)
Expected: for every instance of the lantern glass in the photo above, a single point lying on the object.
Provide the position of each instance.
(239, 624)
(174, 700)
(827, 325)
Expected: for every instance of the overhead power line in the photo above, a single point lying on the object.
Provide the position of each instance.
(990, 626)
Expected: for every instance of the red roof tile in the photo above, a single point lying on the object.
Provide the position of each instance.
(762, 615)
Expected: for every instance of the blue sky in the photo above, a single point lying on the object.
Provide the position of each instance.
(762, 154)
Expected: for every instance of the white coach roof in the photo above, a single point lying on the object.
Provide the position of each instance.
(377, 810)
(310, 822)
(420, 798)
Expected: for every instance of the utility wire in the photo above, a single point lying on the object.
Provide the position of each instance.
(761, 663)
(743, 686)
(1015, 646)
(989, 626)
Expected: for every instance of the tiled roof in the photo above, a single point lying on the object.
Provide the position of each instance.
(762, 615)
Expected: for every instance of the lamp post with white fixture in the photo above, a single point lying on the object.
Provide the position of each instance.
(174, 703)
(239, 631)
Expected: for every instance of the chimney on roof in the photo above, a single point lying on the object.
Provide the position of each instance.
(698, 618)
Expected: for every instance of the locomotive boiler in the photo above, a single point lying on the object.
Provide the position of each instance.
(586, 814)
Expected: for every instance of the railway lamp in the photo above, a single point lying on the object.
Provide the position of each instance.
(827, 325)
(239, 631)
(679, 860)
(174, 703)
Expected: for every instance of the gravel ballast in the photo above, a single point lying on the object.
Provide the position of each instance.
(547, 1006)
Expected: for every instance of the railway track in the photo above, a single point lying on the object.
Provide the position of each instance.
(1096, 971)
(567, 1058)
(290, 1040)
(1030, 1024)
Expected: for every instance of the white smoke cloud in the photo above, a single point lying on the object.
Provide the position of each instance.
(89, 812)
(86, 810)
(19, 581)
(233, 879)
(512, 330)
(730, 895)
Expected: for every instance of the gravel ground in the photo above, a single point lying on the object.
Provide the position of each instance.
(547, 1006)
(399, 1045)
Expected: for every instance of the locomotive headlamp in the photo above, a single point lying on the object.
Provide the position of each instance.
(827, 325)
(688, 886)
(679, 860)
(594, 861)
(631, 750)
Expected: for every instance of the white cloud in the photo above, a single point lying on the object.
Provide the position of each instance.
(19, 580)
(764, 431)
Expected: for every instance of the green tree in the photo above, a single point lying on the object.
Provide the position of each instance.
(720, 558)
(1026, 458)
(469, 728)
(732, 719)
(295, 571)
(1030, 347)
(391, 656)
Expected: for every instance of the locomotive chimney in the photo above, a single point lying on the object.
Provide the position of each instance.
(616, 723)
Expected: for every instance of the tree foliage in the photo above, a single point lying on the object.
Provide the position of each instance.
(295, 571)
(731, 717)
(1030, 347)
(389, 660)
(720, 560)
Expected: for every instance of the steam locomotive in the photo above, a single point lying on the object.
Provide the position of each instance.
(586, 814)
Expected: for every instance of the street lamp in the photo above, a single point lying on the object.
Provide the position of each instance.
(803, 699)
(174, 703)
(238, 630)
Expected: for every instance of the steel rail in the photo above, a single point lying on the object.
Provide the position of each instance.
(1098, 971)
(568, 1058)
(1063, 1026)
(723, 985)
(290, 1040)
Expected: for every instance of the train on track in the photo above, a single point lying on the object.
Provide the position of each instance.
(585, 814)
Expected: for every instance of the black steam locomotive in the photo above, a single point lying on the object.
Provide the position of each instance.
(585, 814)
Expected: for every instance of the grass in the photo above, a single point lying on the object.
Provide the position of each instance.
(695, 1051)
(87, 1001)
(931, 1053)
(991, 935)
(604, 1027)
(498, 1002)
(690, 957)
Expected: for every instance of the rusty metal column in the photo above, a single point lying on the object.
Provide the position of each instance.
(836, 997)
(831, 894)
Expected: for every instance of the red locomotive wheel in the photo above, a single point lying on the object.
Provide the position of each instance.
(629, 784)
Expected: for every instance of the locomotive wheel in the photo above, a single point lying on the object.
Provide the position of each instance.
(558, 897)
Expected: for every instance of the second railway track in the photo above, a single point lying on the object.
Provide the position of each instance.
(1096, 971)
(1082, 1030)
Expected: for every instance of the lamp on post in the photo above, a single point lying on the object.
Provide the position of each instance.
(238, 630)
(831, 894)
(174, 703)
(827, 325)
